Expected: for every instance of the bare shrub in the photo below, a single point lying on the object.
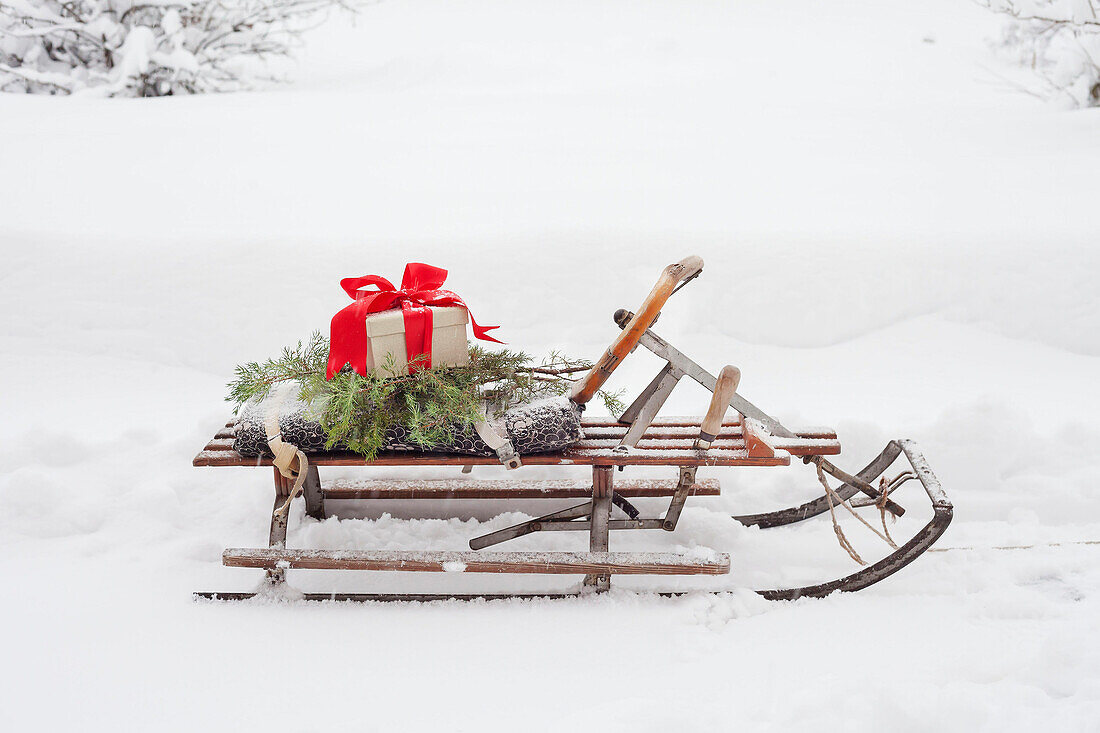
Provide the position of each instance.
(157, 48)
(1059, 41)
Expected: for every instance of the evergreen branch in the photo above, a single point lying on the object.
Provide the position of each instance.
(357, 412)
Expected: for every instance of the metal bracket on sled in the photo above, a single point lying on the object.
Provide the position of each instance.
(505, 451)
(579, 517)
(643, 410)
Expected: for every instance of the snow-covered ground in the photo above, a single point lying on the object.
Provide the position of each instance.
(896, 244)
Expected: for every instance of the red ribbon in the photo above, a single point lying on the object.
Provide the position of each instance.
(420, 287)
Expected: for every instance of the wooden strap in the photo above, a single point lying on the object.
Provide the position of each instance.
(286, 454)
(440, 489)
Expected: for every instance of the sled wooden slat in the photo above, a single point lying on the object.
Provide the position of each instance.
(646, 443)
(220, 444)
(660, 427)
(673, 421)
(572, 457)
(519, 489)
(728, 432)
(543, 563)
(668, 442)
(794, 447)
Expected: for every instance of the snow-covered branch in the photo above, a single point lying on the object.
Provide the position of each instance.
(150, 48)
(1059, 41)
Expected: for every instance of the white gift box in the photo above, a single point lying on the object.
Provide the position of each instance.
(386, 337)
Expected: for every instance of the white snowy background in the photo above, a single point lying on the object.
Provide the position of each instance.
(897, 244)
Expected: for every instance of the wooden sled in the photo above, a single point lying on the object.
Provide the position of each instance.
(749, 437)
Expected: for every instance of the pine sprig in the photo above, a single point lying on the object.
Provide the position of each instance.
(358, 412)
(298, 363)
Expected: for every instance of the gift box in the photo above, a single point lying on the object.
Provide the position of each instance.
(387, 353)
(385, 328)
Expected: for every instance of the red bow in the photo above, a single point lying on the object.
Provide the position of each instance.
(420, 287)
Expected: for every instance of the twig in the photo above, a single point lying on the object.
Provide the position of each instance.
(547, 370)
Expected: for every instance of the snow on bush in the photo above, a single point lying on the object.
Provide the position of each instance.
(1058, 40)
(151, 48)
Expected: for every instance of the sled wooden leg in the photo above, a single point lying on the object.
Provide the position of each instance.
(315, 507)
(601, 515)
(311, 490)
(277, 534)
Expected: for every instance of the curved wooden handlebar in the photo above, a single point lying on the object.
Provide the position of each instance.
(671, 276)
(728, 379)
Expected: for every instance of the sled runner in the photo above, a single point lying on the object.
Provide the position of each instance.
(748, 437)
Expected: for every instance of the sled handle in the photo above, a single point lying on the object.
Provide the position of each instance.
(671, 277)
(728, 379)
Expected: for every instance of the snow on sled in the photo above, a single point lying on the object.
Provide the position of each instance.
(746, 436)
